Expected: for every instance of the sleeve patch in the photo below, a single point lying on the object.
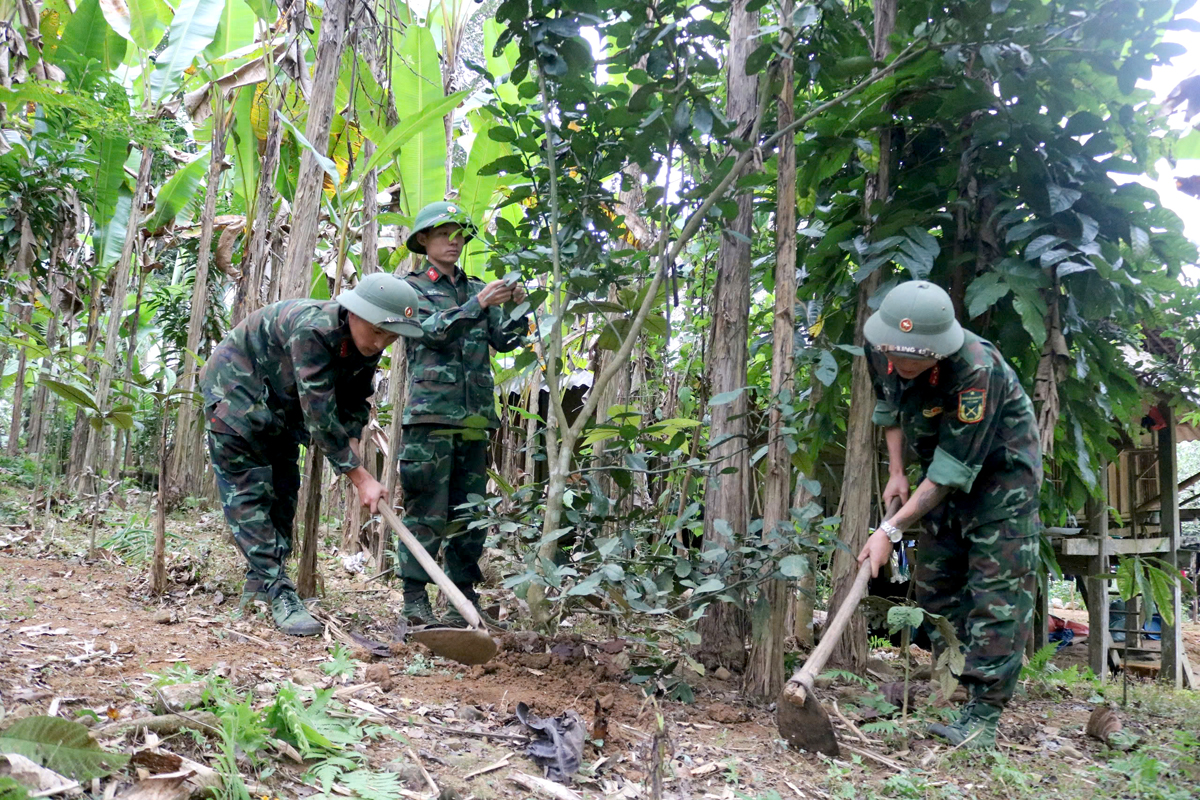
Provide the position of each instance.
(972, 403)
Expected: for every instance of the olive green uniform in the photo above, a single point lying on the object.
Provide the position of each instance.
(288, 375)
(450, 386)
(972, 428)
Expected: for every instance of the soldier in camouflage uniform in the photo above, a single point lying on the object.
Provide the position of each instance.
(449, 387)
(958, 406)
(292, 373)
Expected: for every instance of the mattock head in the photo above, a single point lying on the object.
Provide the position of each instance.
(806, 727)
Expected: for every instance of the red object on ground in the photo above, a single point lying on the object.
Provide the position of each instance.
(1058, 624)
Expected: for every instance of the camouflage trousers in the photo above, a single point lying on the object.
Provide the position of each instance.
(983, 580)
(258, 482)
(437, 473)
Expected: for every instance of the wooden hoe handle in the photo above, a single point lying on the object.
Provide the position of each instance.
(453, 593)
(801, 683)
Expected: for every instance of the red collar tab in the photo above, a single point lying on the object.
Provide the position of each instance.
(433, 274)
(934, 374)
(891, 368)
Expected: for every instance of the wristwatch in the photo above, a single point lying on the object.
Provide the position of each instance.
(894, 534)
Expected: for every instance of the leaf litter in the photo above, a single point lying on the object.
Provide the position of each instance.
(272, 703)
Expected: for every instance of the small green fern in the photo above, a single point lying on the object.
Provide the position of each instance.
(1039, 667)
(373, 785)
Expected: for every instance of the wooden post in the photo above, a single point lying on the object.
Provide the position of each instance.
(1196, 586)
(1039, 637)
(1096, 582)
(1172, 638)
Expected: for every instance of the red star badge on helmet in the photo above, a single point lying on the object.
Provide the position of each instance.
(906, 325)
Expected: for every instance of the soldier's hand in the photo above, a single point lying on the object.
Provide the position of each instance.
(897, 487)
(879, 549)
(494, 294)
(518, 293)
(370, 492)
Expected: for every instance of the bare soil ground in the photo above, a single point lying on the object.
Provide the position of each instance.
(85, 639)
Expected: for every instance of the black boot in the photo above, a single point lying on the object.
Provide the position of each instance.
(416, 604)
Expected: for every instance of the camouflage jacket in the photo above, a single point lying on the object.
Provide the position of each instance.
(450, 367)
(292, 368)
(971, 426)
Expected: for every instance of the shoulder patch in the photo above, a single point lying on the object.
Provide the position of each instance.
(971, 405)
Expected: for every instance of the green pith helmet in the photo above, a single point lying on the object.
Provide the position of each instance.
(916, 319)
(386, 302)
(436, 214)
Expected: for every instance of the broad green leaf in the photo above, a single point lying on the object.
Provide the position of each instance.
(1161, 590)
(984, 292)
(417, 83)
(726, 397)
(901, 617)
(1188, 146)
(1032, 319)
(112, 236)
(500, 65)
(140, 19)
(826, 369)
(264, 10)
(71, 393)
(108, 154)
(1139, 240)
(88, 37)
(793, 566)
(414, 125)
(1040, 245)
(178, 192)
(116, 14)
(325, 161)
(245, 145)
(475, 191)
(120, 419)
(600, 433)
(60, 745)
(1062, 198)
(192, 30)
(235, 30)
(149, 21)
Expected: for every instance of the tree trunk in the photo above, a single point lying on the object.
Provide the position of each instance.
(764, 675)
(24, 315)
(861, 457)
(1051, 371)
(723, 628)
(306, 220)
(306, 210)
(113, 338)
(254, 258)
(121, 453)
(39, 421)
(80, 430)
(531, 430)
(158, 567)
(310, 514)
(802, 621)
(187, 463)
